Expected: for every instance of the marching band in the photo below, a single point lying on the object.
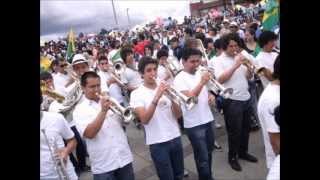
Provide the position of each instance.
(87, 110)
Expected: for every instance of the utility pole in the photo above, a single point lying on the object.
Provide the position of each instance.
(115, 15)
(128, 18)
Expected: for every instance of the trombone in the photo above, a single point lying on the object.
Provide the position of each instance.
(126, 114)
(213, 84)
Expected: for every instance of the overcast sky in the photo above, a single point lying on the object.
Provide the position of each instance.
(89, 16)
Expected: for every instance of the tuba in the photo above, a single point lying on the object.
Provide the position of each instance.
(126, 114)
(173, 65)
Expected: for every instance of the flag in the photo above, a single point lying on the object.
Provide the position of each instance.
(271, 15)
(116, 57)
(71, 47)
(44, 64)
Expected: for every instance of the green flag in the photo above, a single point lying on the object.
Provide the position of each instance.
(71, 47)
(116, 57)
(271, 15)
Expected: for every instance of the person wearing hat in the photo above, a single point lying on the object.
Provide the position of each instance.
(234, 28)
(225, 27)
(79, 65)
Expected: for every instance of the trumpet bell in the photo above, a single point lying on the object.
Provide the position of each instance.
(128, 115)
(191, 102)
(226, 93)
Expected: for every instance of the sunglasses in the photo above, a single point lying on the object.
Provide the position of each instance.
(63, 65)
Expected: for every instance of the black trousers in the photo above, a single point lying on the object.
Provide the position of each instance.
(237, 119)
(80, 162)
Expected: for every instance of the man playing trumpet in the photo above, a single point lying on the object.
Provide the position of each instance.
(159, 115)
(107, 144)
(198, 120)
(232, 74)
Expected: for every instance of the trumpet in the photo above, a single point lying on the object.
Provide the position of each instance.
(215, 86)
(181, 99)
(173, 65)
(126, 114)
(248, 63)
(47, 91)
(58, 162)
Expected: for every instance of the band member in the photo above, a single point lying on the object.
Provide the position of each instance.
(198, 120)
(107, 144)
(232, 74)
(61, 78)
(266, 58)
(268, 101)
(80, 66)
(159, 114)
(53, 130)
(163, 72)
(108, 83)
(131, 75)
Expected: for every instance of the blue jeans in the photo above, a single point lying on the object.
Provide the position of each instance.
(168, 159)
(125, 173)
(202, 141)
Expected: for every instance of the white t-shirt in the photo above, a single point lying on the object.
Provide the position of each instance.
(238, 80)
(163, 73)
(162, 122)
(269, 100)
(109, 149)
(266, 59)
(133, 77)
(59, 81)
(200, 113)
(274, 172)
(56, 129)
(114, 89)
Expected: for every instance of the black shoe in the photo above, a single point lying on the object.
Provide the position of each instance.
(86, 169)
(254, 128)
(235, 164)
(248, 157)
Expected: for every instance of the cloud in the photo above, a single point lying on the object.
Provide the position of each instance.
(57, 17)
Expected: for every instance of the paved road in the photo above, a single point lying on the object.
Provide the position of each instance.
(144, 169)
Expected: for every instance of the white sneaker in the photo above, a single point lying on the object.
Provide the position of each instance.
(217, 125)
(185, 173)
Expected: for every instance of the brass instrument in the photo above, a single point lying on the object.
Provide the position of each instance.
(215, 86)
(180, 99)
(59, 165)
(173, 65)
(126, 114)
(248, 63)
(47, 91)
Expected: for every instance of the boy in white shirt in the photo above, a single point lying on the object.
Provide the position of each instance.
(159, 114)
(61, 78)
(54, 129)
(198, 120)
(266, 58)
(107, 144)
(268, 101)
(231, 74)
